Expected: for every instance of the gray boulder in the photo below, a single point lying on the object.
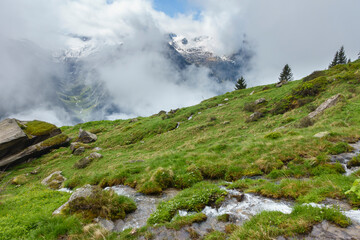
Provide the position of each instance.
(12, 137)
(325, 105)
(79, 151)
(85, 191)
(54, 180)
(34, 151)
(86, 137)
(259, 101)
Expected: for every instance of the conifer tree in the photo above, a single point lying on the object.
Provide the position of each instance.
(240, 84)
(286, 74)
(342, 57)
(335, 60)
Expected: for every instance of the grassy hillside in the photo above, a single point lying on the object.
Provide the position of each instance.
(219, 142)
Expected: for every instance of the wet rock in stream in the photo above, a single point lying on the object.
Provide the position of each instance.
(344, 158)
(145, 206)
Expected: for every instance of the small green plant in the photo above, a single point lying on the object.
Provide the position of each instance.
(355, 189)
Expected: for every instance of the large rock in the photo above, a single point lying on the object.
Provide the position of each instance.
(84, 192)
(325, 105)
(86, 137)
(20, 141)
(35, 151)
(12, 137)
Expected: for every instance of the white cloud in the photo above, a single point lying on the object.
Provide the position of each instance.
(304, 34)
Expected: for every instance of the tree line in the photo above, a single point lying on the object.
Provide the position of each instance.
(286, 74)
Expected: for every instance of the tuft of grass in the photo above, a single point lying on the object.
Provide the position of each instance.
(340, 147)
(269, 225)
(191, 199)
(179, 222)
(354, 162)
(273, 135)
(105, 204)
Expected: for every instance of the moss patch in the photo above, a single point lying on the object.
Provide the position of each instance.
(38, 128)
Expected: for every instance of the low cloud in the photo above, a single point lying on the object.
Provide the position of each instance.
(134, 68)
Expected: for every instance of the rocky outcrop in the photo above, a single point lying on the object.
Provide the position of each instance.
(86, 137)
(12, 137)
(83, 192)
(21, 141)
(325, 105)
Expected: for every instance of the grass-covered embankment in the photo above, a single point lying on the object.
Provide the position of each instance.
(220, 141)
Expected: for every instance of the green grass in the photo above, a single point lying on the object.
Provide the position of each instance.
(191, 199)
(151, 155)
(269, 225)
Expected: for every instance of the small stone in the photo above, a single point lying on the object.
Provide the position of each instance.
(95, 155)
(220, 105)
(255, 116)
(35, 171)
(252, 93)
(97, 149)
(226, 123)
(259, 101)
(226, 99)
(239, 197)
(321, 134)
(79, 151)
(107, 224)
(54, 180)
(86, 137)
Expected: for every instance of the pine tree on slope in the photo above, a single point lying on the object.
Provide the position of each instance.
(286, 74)
(240, 84)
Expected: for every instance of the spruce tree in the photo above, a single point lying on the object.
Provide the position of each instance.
(286, 74)
(342, 57)
(335, 60)
(240, 84)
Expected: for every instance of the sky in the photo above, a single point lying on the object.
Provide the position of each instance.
(302, 33)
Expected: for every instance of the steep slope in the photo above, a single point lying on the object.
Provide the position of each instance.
(219, 139)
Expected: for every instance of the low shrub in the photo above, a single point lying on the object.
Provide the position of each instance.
(305, 122)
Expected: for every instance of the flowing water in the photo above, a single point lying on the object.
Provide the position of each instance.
(344, 158)
(240, 208)
(145, 206)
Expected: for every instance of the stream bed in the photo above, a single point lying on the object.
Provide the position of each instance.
(239, 206)
(344, 158)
